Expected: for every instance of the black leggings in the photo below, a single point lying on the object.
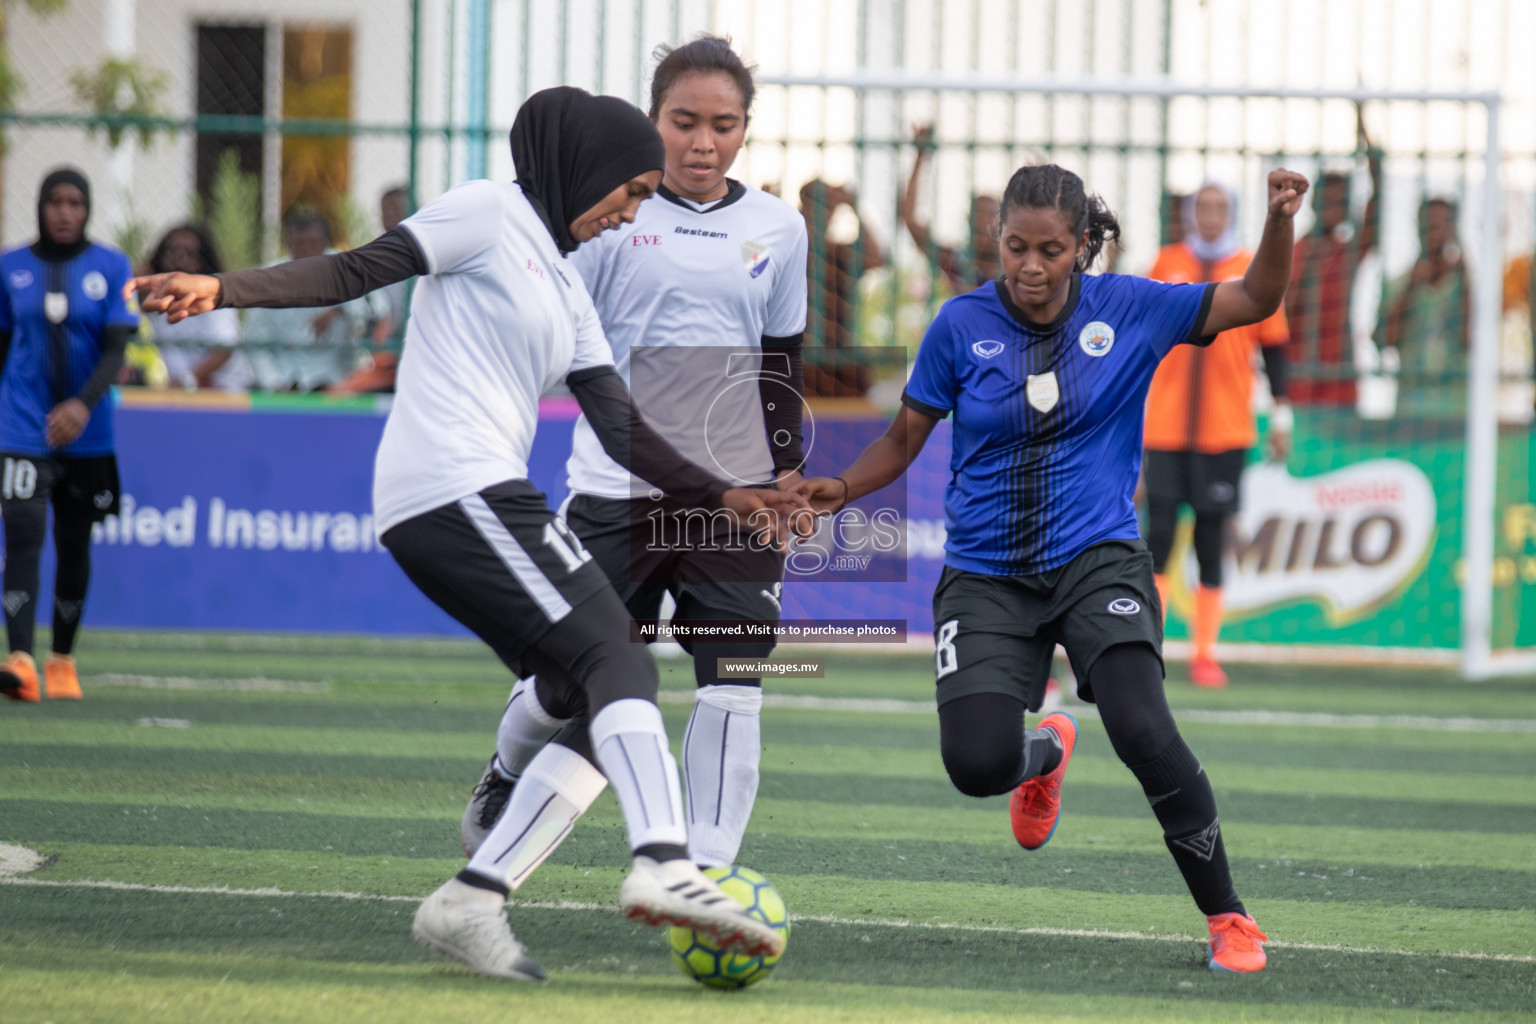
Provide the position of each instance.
(982, 740)
(26, 526)
(1210, 535)
(987, 751)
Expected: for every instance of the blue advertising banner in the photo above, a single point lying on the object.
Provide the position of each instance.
(262, 520)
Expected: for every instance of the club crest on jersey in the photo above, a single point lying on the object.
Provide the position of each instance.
(987, 349)
(94, 286)
(754, 256)
(1096, 339)
(1042, 392)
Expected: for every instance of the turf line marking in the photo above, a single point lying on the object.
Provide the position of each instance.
(873, 705)
(845, 922)
(188, 683)
(1308, 719)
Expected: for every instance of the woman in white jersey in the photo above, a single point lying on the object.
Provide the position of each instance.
(499, 318)
(703, 299)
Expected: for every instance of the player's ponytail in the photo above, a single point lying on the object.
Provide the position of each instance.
(705, 55)
(1050, 187)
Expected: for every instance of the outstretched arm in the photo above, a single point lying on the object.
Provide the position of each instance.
(922, 137)
(886, 458)
(1260, 291)
(327, 280)
(633, 444)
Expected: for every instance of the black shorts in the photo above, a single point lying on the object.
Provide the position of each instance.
(1208, 483)
(648, 548)
(502, 563)
(87, 486)
(996, 634)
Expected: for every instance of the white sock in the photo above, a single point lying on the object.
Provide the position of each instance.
(721, 751)
(525, 728)
(555, 789)
(631, 747)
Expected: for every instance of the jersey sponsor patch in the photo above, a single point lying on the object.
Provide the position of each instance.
(56, 307)
(1124, 606)
(94, 285)
(1042, 391)
(1096, 339)
(987, 349)
(754, 256)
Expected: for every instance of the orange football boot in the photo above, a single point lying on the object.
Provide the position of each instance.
(1035, 805)
(18, 677)
(60, 679)
(1237, 945)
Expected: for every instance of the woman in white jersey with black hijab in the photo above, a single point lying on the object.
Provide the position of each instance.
(500, 317)
(703, 299)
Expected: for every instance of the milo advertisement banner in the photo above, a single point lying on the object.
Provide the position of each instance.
(1356, 540)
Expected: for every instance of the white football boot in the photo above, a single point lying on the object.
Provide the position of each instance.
(677, 892)
(469, 924)
(486, 805)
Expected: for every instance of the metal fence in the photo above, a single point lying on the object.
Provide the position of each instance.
(239, 113)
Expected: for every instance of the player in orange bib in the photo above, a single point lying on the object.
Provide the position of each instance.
(1200, 418)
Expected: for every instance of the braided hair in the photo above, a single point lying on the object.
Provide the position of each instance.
(1050, 187)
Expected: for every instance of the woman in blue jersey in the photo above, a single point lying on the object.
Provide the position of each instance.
(703, 296)
(64, 325)
(1047, 375)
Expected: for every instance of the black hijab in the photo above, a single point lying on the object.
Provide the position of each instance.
(571, 149)
(45, 248)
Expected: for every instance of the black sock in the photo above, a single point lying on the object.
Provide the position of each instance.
(1042, 753)
(66, 623)
(1181, 797)
(480, 881)
(662, 852)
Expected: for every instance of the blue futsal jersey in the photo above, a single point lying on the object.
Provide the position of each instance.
(1048, 417)
(55, 313)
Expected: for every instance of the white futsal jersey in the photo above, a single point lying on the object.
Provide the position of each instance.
(500, 318)
(695, 287)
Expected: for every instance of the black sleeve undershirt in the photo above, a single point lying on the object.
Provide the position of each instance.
(783, 363)
(631, 442)
(114, 346)
(1275, 367)
(5, 350)
(327, 280)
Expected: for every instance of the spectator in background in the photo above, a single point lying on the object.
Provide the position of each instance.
(63, 326)
(964, 270)
(1323, 275)
(392, 210)
(1200, 418)
(386, 334)
(1173, 218)
(200, 353)
(835, 269)
(302, 349)
(1427, 316)
(1519, 310)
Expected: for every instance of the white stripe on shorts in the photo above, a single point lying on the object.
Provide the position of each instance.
(515, 558)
